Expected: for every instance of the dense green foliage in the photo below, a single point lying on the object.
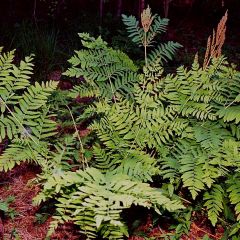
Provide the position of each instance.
(108, 75)
(94, 201)
(179, 131)
(25, 117)
(106, 71)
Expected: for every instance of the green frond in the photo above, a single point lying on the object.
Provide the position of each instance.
(192, 173)
(91, 204)
(105, 160)
(60, 155)
(234, 193)
(13, 78)
(91, 42)
(27, 117)
(137, 165)
(107, 72)
(214, 202)
(169, 168)
(122, 85)
(230, 114)
(164, 52)
(210, 135)
(158, 26)
(44, 127)
(135, 32)
(8, 128)
(228, 155)
(84, 90)
(112, 232)
(20, 150)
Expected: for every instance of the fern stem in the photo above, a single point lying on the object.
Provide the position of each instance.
(29, 135)
(185, 200)
(145, 48)
(230, 104)
(79, 138)
(135, 139)
(140, 126)
(114, 98)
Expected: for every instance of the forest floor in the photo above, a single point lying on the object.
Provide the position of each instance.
(24, 225)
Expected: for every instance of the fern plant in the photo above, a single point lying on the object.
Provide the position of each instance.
(118, 174)
(25, 118)
(174, 125)
(214, 203)
(144, 35)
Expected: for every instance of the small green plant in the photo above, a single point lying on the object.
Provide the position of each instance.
(15, 235)
(5, 208)
(41, 41)
(41, 218)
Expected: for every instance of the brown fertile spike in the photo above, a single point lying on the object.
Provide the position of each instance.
(216, 41)
(207, 53)
(146, 19)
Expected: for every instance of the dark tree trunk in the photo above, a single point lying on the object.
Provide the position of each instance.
(141, 6)
(119, 8)
(166, 4)
(101, 10)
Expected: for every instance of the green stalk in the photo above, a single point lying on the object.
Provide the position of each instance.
(145, 48)
(79, 139)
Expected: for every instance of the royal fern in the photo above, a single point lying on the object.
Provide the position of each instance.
(182, 128)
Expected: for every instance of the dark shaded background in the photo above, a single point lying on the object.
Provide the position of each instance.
(13, 11)
(49, 28)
